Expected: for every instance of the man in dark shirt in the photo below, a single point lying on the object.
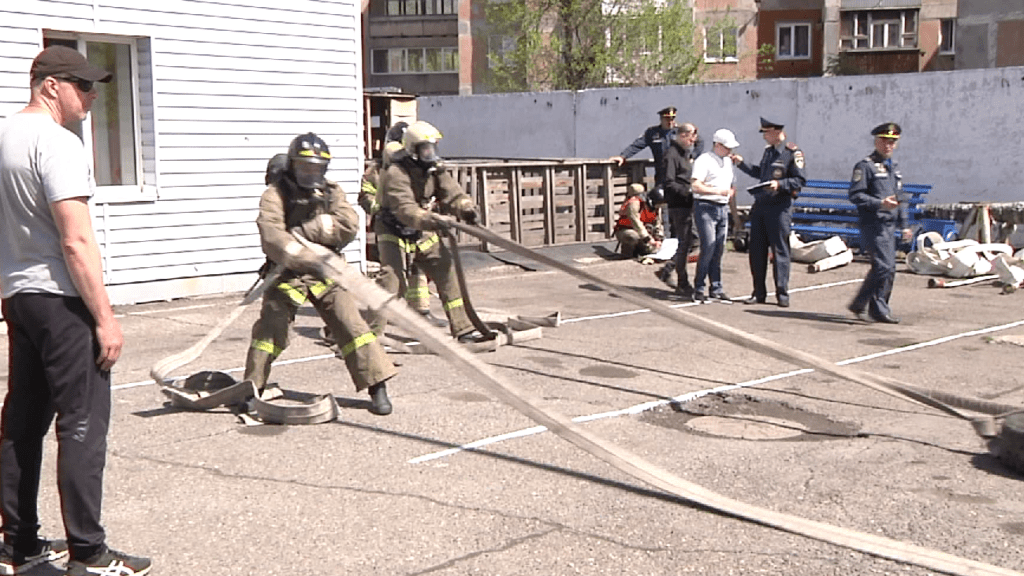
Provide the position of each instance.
(678, 165)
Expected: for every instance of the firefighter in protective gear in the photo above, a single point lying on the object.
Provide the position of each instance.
(639, 229)
(416, 291)
(406, 226)
(303, 200)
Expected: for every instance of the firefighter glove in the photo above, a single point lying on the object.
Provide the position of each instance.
(469, 216)
(435, 221)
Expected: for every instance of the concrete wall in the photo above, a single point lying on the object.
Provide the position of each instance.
(960, 128)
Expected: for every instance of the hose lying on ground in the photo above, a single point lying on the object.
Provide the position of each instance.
(376, 298)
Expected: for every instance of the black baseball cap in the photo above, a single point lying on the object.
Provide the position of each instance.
(61, 60)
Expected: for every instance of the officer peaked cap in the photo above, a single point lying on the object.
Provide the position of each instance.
(769, 125)
(887, 130)
(669, 111)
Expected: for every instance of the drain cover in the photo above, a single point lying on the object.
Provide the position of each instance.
(757, 428)
(746, 417)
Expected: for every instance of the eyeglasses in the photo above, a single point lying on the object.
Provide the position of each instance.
(83, 85)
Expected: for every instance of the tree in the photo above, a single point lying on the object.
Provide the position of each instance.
(579, 44)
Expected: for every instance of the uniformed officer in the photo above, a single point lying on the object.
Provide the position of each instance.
(303, 199)
(781, 173)
(658, 138)
(412, 183)
(875, 189)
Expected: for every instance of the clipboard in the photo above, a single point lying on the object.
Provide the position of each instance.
(759, 186)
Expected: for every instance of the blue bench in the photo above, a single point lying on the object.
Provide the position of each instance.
(824, 209)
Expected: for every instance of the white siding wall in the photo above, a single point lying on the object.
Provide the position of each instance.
(223, 86)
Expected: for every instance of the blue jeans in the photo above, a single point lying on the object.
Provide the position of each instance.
(712, 223)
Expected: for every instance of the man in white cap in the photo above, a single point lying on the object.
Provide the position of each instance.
(714, 195)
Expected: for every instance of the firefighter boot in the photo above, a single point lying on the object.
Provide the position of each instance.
(379, 403)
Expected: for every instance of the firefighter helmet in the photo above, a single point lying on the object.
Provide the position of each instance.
(308, 157)
(420, 142)
(655, 196)
(276, 167)
(396, 132)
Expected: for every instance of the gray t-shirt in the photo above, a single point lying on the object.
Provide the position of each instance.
(41, 162)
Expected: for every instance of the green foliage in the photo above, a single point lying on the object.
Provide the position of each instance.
(575, 44)
(766, 57)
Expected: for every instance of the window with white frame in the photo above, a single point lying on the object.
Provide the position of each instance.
(112, 132)
(947, 42)
(793, 41)
(878, 30)
(721, 44)
(416, 61)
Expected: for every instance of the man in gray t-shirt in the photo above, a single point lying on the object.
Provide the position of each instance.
(62, 333)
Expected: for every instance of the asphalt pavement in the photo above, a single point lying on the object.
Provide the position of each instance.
(455, 482)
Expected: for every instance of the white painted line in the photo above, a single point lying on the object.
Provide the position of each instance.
(163, 310)
(638, 408)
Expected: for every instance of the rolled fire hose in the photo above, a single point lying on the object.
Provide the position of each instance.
(163, 367)
(377, 298)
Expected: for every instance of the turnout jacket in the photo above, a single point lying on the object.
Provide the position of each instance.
(875, 178)
(406, 191)
(322, 216)
(634, 214)
(784, 163)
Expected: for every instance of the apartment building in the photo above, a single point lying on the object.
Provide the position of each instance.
(990, 33)
(420, 46)
(816, 37)
(730, 38)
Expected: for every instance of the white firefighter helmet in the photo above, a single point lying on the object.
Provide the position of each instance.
(420, 142)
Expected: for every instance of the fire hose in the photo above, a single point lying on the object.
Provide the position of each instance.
(376, 298)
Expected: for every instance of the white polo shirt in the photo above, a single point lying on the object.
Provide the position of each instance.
(713, 170)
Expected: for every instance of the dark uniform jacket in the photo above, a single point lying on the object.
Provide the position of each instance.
(407, 190)
(873, 180)
(678, 170)
(323, 216)
(786, 166)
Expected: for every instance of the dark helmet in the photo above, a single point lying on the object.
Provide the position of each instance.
(308, 157)
(396, 132)
(655, 196)
(276, 167)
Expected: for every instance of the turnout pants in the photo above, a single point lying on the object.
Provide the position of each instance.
(53, 372)
(630, 243)
(358, 346)
(430, 255)
(769, 228)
